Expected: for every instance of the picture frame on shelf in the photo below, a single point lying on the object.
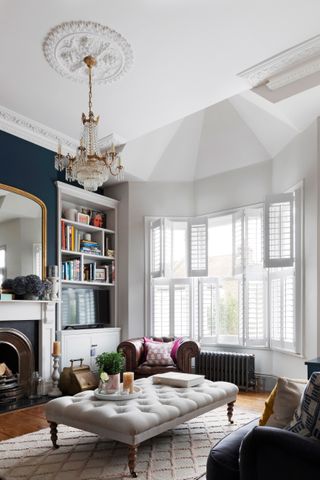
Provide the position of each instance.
(100, 275)
(98, 219)
(83, 218)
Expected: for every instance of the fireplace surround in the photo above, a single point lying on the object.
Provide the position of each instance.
(16, 351)
(42, 312)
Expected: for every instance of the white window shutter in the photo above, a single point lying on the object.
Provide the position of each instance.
(255, 306)
(208, 302)
(254, 238)
(283, 309)
(156, 248)
(279, 245)
(167, 247)
(198, 248)
(238, 242)
(160, 301)
(182, 308)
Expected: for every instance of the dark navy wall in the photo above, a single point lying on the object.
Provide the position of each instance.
(31, 168)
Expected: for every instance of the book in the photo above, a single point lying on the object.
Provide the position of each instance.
(178, 379)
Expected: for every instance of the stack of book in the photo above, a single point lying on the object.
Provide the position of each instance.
(89, 246)
(70, 238)
(70, 270)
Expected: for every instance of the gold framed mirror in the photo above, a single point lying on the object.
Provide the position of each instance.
(23, 233)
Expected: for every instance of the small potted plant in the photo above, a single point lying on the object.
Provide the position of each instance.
(34, 287)
(110, 364)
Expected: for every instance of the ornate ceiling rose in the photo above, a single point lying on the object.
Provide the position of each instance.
(67, 44)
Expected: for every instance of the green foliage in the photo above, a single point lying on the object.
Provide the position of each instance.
(111, 362)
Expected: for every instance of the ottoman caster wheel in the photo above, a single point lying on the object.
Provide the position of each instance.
(133, 474)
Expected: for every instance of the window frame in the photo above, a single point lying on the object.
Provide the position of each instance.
(3, 270)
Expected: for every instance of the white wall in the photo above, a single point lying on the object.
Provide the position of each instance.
(244, 186)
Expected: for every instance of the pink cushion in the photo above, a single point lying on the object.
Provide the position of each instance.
(159, 353)
(175, 346)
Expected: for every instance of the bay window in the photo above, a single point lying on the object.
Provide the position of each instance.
(229, 279)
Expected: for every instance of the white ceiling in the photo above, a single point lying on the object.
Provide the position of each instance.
(171, 106)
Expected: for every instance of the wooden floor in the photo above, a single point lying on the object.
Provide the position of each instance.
(32, 419)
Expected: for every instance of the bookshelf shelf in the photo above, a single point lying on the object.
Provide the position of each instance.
(86, 255)
(83, 282)
(87, 228)
(96, 303)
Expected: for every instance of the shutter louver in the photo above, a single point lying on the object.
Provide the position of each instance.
(198, 248)
(255, 311)
(182, 309)
(238, 242)
(161, 309)
(208, 308)
(254, 238)
(156, 232)
(279, 231)
(282, 309)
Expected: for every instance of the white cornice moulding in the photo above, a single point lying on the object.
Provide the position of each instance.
(34, 132)
(39, 134)
(287, 67)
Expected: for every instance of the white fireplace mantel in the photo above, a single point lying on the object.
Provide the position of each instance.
(39, 310)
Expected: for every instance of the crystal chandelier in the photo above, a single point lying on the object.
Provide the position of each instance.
(89, 166)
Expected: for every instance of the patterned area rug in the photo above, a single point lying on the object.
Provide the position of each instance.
(177, 454)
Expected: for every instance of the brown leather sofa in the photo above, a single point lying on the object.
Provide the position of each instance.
(133, 350)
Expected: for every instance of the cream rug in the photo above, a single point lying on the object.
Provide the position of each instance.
(177, 454)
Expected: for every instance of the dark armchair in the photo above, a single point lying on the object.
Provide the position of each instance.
(134, 351)
(264, 453)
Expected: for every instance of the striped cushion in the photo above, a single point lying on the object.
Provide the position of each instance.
(306, 420)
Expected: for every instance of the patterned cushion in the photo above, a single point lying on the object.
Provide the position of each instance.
(306, 420)
(159, 353)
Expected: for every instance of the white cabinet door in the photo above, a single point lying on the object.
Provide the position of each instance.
(87, 345)
(75, 346)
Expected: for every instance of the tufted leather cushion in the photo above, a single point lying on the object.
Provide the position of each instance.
(156, 406)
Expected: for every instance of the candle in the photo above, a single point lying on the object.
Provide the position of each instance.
(56, 349)
(128, 381)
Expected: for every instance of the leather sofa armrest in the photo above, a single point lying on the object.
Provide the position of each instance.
(268, 452)
(187, 350)
(133, 350)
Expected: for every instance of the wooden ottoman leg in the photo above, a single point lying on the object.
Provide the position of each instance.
(133, 449)
(230, 411)
(54, 434)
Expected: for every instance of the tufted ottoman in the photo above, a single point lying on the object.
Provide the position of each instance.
(157, 409)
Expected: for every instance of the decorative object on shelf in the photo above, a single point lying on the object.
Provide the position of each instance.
(34, 287)
(70, 214)
(98, 219)
(111, 363)
(83, 218)
(28, 287)
(47, 289)
(52, 271)
(89, 167)
(56, 353)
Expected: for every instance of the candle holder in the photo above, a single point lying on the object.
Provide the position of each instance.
(55, 390)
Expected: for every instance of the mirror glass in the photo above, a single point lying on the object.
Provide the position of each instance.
(20, 235)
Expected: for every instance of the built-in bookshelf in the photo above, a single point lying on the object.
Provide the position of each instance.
(87, 256)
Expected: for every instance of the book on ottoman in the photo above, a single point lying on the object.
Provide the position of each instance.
(177, 379)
